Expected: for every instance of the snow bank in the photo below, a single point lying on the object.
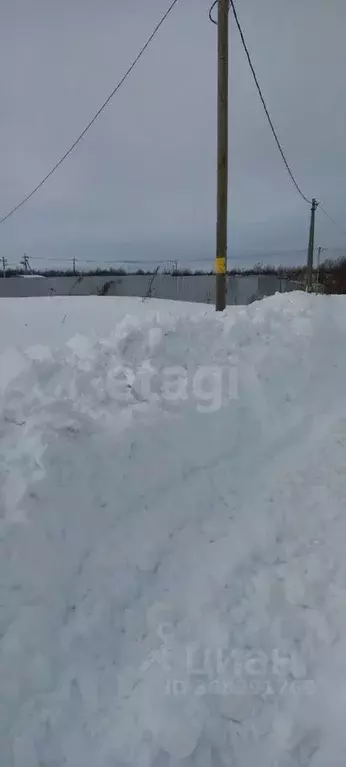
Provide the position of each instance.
(172, 569)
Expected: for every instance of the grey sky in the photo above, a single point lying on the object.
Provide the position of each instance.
(142, 183)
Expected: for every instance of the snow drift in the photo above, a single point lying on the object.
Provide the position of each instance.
(172, 533)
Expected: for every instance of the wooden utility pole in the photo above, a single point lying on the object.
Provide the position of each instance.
(25, 263)
(222, 157)
(319, 251)
(310, 263)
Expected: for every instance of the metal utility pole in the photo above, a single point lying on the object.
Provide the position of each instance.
(4, 265)
(222, 157)
(311, 246)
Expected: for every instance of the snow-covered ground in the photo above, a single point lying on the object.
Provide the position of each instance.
(172, 533)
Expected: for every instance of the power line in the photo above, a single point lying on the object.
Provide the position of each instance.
(338, 226)
(104, 105)
(252, 254)
(246, 258)
(267, 111)
(211, 12)
(264, 103)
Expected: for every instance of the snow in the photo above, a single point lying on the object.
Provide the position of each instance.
(172, 528)
(32, 276)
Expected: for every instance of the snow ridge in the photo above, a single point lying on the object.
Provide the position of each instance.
(172, 567)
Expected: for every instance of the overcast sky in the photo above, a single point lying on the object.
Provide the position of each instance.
(141, 184)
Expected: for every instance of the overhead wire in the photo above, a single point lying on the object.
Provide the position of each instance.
(124, 78)
(211, 12)
(336, 223)
(252, 254)
(99, 111)
(247, 52)
(288, 168)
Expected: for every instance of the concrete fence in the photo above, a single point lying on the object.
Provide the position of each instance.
(196, 288)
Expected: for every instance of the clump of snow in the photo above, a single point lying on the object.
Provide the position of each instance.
(172, 568)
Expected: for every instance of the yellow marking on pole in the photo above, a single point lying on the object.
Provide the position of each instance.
(220, 265)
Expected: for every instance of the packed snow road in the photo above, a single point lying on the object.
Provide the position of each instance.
(172, 533)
